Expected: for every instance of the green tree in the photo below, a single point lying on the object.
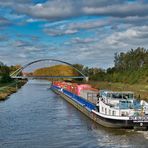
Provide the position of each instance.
(4, 74)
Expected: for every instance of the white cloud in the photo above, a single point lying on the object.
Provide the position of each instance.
(92, 42)
(31, 20)
(21, 55)
(59, 32)
(119, 10)
(82, 41)
(74, 27)
(4, 21)
(59, 9)
(128, 36)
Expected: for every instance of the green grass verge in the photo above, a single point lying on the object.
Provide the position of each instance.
(140, 90)
(9, 88)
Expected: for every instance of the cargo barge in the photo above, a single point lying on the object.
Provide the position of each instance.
(108, 108)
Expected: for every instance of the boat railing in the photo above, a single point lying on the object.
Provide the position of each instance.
(124, 110)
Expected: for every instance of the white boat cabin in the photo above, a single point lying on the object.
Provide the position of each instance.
(118, 103)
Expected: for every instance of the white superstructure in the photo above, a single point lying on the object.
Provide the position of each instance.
(120, 104)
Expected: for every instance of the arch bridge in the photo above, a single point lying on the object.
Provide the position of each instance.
(15, 74)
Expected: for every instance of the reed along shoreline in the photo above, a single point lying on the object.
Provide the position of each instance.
(8, 89)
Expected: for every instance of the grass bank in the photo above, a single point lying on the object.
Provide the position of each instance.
(140, 90)
(9, 88)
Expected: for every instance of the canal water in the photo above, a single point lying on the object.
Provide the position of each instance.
(35, 117)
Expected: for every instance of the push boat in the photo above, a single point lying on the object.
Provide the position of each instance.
(107, 108)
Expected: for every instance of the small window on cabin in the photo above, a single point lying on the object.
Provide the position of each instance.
(113, 113)
(114, 95)
(109, 112)
(109, 95)
(125, 96)
(117, 96)
(130, 96)
(102, 109)
(120, 96)
(105, 111)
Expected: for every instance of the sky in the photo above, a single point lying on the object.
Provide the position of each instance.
(87, 32)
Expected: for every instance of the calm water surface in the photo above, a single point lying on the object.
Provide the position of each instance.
(35, 117)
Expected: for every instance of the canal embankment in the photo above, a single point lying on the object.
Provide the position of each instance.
(10, 88)
(140, 90)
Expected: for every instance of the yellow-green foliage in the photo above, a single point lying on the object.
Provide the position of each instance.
(57, 70)
(140, 90)
(10, 88)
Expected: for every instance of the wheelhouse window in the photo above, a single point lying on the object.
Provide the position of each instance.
(109, 95)
(128, 96)
(122, 95)
(117, 95)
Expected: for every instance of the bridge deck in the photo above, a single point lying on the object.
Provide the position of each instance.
(45, 77)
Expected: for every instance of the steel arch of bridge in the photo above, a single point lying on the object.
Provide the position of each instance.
(15, 73)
